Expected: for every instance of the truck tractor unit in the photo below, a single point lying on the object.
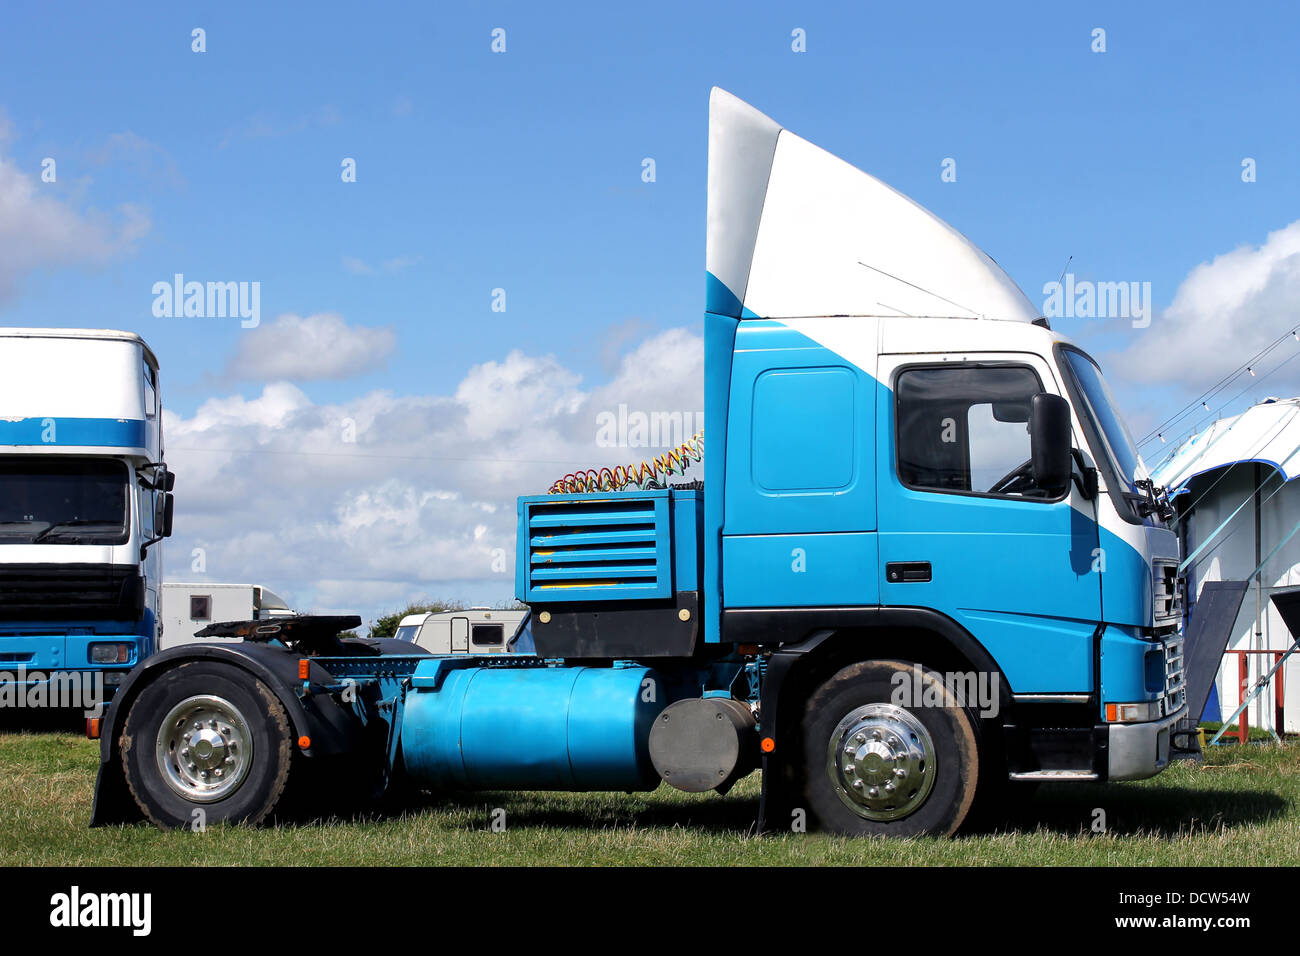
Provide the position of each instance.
(84, 504)
(925, 563)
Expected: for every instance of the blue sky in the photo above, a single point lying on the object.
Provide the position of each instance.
(522, 170)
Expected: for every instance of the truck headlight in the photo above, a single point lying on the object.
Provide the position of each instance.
(106, 653)
(1133, 713)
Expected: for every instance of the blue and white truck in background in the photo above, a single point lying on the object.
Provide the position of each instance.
(84, 501)
(925, 563)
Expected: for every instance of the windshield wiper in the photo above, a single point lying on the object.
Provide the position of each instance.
(59, 526)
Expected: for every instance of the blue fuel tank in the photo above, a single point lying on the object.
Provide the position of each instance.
(530, 727)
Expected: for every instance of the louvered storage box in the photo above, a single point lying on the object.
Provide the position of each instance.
(621, 545)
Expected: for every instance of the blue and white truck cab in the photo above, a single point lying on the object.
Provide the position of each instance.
(925, 562)
(889, 405)
(84, 500)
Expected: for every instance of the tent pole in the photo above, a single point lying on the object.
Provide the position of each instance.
(1259, 578)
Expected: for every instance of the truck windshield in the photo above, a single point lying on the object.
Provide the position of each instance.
(63, 500)
(1101, 407)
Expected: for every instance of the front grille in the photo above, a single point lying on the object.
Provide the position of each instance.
(1166, 593)
(70, 592)
(1175, 691)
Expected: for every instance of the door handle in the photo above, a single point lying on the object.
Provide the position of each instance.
(907, 572)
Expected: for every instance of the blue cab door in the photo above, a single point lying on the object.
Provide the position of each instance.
(964, 531)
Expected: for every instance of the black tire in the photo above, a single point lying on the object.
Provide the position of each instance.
(265, 729)
(933, 807)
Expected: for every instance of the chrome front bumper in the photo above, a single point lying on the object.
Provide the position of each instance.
(1138, 751)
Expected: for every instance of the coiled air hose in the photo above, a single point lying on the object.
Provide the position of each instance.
(649, 473)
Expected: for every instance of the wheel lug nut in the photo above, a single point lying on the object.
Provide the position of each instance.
(858, 784)
(861, 738)
(873, 792)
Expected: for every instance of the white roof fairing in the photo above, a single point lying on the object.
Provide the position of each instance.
(1268, 433)
(795, 231)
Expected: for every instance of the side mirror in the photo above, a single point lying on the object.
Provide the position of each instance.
(1050, 442)
(164, 511)
(169, 482)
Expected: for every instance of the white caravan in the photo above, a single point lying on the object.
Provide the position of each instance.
(190, 607)
(476, 631)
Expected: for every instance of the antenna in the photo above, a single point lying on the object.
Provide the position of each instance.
(1063, 268)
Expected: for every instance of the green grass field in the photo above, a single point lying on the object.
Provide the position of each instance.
(1240, 807)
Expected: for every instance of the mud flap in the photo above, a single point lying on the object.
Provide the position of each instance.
(112, 802)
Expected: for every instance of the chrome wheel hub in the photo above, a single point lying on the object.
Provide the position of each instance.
(204, 749)
(881, 761)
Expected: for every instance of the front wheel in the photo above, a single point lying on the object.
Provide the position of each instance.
(888, 750)
(206, 743)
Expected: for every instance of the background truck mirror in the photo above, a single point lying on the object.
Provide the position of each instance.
(1050, 442)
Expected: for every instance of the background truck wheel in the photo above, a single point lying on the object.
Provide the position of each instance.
(871, 766)
(210, 738)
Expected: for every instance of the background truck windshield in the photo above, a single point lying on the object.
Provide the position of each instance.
(62, 501)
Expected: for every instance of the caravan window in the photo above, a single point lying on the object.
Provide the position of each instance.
(200, 607)
(488, 635)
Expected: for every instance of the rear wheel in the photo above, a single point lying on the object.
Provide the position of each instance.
(206, 743)
(878, 761)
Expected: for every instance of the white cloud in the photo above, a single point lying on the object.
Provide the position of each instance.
(416, 497)
(317, 347)
(39, 230)
(1223, 312)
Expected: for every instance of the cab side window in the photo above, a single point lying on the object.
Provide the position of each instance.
(966, 429)
(150, 392)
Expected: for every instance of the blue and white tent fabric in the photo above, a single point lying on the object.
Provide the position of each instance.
(1268, 433)
(1222, 477)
